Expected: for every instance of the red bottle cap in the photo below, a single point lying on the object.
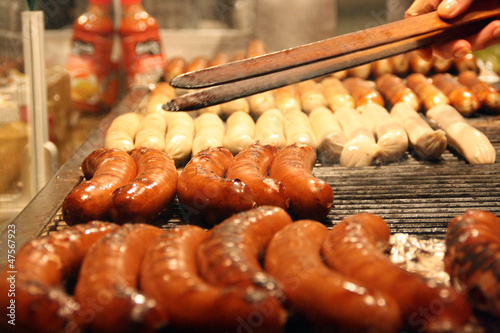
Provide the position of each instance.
(130, 2)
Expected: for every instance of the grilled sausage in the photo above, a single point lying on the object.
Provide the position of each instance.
(337, 94)
(472, 258)
(179, 136)
(465, 139)
(441, 65)
(105, 171)
(162, 93)
(355, 248)
(107, 283)
(288, 99)
(362, 71)
(230, 254)
(418, 64)
(43, 266)
(427, 142)
(467, 62)
(309, 196)
(325, 296)
(360, 148)
(252, 166)
(311, 96)
(461, 97)
(121, 132)
(152, 190)
(269, 128)
(208, 132)
(205, 195)
(363, 91)
(488, 95)
(240, 132)
(330, 138)
(400, 64)
(429, 94)
(394, 89)
(381, 67)
(391, 135)
(192, 304)
(175, 66)
(298, 128)
(151, 131)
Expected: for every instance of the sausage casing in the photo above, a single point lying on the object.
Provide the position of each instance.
(190, 302)
(325, 296)
(472, 258)
(310, 197)
(252, 166)
(363, 91)
(395, 90)
(43, 266)
(230, 254)
(107, 283)
(150, 192)
(488, 95)
(205, 194)
(461, 97)
(429, 94)
(105, 171)
(355, 248)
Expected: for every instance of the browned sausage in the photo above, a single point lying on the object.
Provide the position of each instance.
(175, 66)
(197, 63)
(472, 258)
(105, 169)
(355, 248)
(310, 197)
(488, 95)
(107, 283)
(256, 47)
(363, 91)
(325, 296)
(219, 58)
(429, 94)
(205, 195)
(418, 64)
(251, 166)
(400, 64)
(381, 67)
(153, 190)
(395, 90)
(441, 65)
(169, 274)
(467, 62)
(230, 255)
(39, 273)
(461, 97)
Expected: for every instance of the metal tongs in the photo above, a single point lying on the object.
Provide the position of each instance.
(223, 83)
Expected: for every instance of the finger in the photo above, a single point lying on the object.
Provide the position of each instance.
(488, 36)
(421, 7)
(425, 53)
(453, 49)
(452, 8)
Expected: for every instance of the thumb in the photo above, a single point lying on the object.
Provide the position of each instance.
(452, 8)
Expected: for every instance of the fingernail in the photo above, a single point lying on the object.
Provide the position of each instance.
(447, 7)
(496, 32)
(461, 52)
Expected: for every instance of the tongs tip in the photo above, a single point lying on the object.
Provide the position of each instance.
(171, 106)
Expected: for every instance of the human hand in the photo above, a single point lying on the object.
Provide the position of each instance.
(448, 9)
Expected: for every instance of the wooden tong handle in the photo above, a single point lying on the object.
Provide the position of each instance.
(333, 47)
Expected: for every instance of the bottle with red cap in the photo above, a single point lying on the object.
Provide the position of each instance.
(141, 46)
(94, 81)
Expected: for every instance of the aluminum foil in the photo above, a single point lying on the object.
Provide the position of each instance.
(421, 256)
